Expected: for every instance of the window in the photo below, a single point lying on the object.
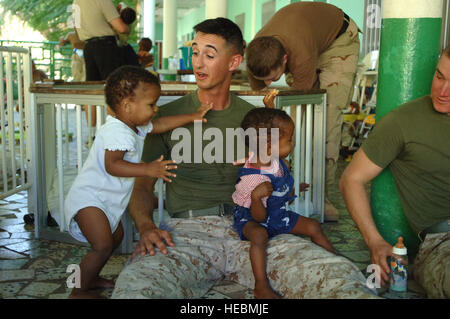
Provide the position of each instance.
(268, 10)
(240, 21)
(372, 26)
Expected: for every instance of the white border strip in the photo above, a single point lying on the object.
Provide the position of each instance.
(412, 9)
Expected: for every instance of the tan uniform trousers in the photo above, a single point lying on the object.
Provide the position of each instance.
(208, 249)
(337, 67)
(432, 265)
(78, 68)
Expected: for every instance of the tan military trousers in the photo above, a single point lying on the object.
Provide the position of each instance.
(208, 249)
(432, 265)
(337, 67)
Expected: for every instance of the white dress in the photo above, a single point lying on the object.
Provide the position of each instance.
(94, 186)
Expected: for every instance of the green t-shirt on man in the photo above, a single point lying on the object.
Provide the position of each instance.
(414, 141)
(206, 177)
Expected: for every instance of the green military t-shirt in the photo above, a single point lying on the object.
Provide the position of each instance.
(414, 141)
(205, 176)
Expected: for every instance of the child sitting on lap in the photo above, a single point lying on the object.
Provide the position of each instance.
(101, 192)
(263, 191)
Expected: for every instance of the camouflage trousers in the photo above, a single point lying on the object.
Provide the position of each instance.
(208, 249)
(432, 265)
(337, 67)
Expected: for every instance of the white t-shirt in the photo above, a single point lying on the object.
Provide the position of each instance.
(94, 186)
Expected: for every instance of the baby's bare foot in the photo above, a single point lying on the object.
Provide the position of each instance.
(265, 292)
(100, 282)
(82, 294)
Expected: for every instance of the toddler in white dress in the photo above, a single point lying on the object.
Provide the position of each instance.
(101, 192)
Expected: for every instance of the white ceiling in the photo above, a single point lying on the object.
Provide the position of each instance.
(183, 8)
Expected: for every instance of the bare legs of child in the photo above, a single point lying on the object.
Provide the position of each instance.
(311, 228)
(95, 227)
(258, 237)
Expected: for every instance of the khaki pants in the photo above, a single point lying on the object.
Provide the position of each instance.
(78, 68)
(432, 265)
(337, 73)
(208, 249)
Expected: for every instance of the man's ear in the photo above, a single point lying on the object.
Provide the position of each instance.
(235, 61)
(285, 58)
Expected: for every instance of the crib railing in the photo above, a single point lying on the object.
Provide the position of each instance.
(15, 147)
(57, 114)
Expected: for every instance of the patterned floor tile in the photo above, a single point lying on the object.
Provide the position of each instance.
(23, 245)
(26, 235)
(10, 289)
(10, 275)
(4, 234)
(11, 242)
(8, 254)
(12, 263)
(39, 289)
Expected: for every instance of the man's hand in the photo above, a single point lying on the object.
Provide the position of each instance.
(269, 98)
(159, 169)
(201, 112)
(379, 252)
(264, 189)
(151, 238)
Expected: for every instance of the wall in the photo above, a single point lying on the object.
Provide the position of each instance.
(354, 8)
(186, 24)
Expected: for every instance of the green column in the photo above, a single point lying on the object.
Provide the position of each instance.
(409, 49)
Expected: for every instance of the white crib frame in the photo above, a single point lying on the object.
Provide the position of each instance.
(46, 111)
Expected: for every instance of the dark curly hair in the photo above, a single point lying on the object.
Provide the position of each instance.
(122, 82)
(128, 15)
(146, 44)
(261, 117)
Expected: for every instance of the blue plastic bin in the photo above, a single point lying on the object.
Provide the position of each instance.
(186, 53)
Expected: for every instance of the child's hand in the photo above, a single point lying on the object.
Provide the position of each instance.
(201, 111)
(262, 190)
(159, 169)
(269, 98)
(240, 162)
(304, 187)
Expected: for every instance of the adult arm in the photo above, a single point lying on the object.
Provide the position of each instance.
(359, 172)
(141, 206)
(167, 123)
(120, 26)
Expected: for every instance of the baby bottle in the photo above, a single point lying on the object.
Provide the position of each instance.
(399, 264)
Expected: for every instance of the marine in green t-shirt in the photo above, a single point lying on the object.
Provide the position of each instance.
(414, 141)
(202, 180)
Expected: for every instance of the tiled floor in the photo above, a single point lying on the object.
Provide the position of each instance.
(32, 268)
